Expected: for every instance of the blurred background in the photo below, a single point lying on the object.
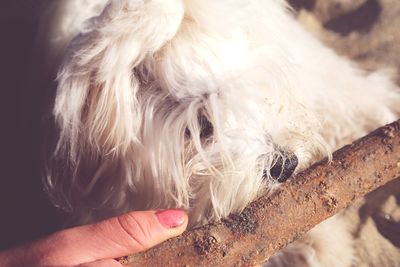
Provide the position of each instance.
(25, 212)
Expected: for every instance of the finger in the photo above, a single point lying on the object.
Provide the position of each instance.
(115, 237)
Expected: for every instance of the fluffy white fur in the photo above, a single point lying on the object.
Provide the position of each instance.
(142, 79)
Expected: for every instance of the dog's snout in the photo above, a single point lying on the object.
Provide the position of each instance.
(284, 166)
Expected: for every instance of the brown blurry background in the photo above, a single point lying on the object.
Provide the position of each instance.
(25, 213)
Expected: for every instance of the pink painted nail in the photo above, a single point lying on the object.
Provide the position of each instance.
(171, 218)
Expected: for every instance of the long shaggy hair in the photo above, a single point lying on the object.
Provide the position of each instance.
(199, 104)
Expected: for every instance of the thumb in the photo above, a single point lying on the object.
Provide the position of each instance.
(112, 238)
(129, 233)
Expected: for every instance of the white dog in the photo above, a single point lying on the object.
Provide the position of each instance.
(200, 104)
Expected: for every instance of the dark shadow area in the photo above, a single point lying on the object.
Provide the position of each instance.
(362, 19)
(299, 4)
(26, 213)
(388, 228)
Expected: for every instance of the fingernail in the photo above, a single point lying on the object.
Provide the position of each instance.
(171, 218)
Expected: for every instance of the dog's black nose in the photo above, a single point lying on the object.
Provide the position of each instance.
(284, 166)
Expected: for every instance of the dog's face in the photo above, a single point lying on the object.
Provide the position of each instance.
(175, 113)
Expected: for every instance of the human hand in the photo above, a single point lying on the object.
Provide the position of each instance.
(100, 243)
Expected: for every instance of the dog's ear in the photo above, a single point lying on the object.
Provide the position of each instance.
(96, 102)
(97, 111)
